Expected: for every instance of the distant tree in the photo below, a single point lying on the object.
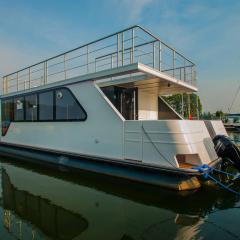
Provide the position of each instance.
(219, 114)
(194, 108)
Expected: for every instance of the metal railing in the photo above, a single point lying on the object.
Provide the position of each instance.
(131, 45)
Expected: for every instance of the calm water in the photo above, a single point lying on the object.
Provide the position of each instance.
(51, 204)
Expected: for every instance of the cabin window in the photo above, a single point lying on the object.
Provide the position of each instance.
(45, 106)
(67, 107)
(19, 109)
(31, 107)
(54, 105)
(7, 114)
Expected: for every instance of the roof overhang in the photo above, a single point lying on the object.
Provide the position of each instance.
(142, 76)
(132, 75)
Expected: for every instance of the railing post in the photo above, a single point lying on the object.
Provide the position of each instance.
(111, 61)
(184, 71)
(29, 78)
(153, 54)
(5, 85)
(17, 82)
(160, 56)
(45, 73)
(65, 71)
(118, 40)
(194, 76)
(87, 60)
(132, 50)
(122, 48)
(191, 74)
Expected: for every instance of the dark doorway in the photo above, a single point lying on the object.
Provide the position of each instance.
(124, 99)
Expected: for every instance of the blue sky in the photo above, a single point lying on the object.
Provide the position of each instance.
(208, 32)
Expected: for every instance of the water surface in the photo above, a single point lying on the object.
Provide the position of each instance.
(40, 203)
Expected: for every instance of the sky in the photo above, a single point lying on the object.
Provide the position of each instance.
(205, 31)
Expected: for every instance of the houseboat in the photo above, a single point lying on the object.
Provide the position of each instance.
(99, 108)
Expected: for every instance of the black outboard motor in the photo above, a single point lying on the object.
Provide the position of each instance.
(226, 149)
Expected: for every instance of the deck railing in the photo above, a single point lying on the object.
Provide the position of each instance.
(132, 45)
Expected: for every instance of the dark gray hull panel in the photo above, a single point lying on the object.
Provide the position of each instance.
(176, 179)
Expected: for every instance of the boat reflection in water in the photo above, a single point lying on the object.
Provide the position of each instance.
(48, 204)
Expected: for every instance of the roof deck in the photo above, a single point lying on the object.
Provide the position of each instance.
(129, 46)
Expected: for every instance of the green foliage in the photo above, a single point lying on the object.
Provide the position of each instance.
(219, 114)
(207, 116)
(191, 104)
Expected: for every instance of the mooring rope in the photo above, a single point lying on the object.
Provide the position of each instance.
(205, 169)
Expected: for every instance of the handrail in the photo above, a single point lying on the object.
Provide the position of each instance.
(72, 50)
(124, 49)
(98, 40)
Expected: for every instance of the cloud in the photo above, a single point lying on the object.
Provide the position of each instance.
(136, 7)
(131, 10)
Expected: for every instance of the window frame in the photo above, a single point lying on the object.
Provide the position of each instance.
(14, 98)
(75, 100)
(36, 120)
(54, 105)
(53, 110)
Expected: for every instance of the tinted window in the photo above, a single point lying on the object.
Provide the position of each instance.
(31, 107)
(45, 105)
(19, 109)
(67, 108)
(7, 114)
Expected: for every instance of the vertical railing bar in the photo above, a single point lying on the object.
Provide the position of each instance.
(118, 38)
(17, 82)
(111, 61)
(122, 48)
(87, 59)
(65, 70)
(154, 55)
(24, 85)
(184, 71)
(191, 74)
(160, 56)
(46, 80)
(45, 73)
(132, 59)
(195, 76)
(29, 78)
(3, 86)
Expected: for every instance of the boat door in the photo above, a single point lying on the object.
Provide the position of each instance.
(128, 103)
(124, 99)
